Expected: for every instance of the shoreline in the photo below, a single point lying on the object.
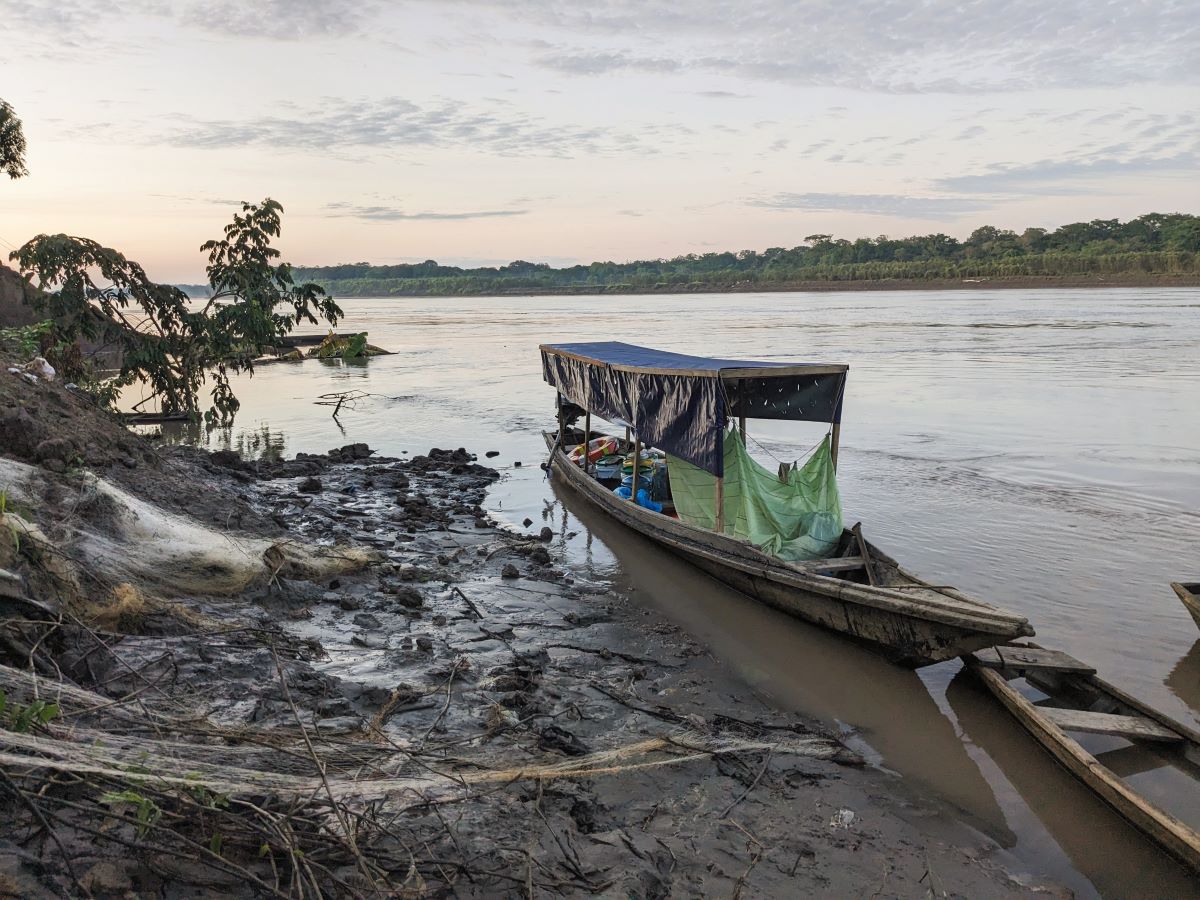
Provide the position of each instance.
(340, 639)
(1038, 282)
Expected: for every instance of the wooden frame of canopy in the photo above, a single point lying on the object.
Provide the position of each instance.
(743, 388)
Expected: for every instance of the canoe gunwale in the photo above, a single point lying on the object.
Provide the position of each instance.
(966, 614)
(1189, 595)
(1176, 837)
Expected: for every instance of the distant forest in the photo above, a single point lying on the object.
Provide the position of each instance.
(1152, 245)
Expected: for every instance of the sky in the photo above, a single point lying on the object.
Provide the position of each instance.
(476, 132)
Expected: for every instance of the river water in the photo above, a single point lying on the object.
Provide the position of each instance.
(1038, 449)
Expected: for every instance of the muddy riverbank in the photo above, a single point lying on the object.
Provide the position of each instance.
(336, 676)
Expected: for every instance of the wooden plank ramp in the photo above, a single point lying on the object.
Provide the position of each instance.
(1133, 727)
(1018, 658)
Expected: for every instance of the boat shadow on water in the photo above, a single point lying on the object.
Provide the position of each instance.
(802, 667)
(1115, 857)
(1184, 680)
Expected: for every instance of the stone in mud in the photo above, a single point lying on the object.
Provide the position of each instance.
(540, 556)
(409, 597)
(350, 453)
(346, 602)
(492, 454)
(311, 485)
(546, 534)
(481, 523)
(366, 620)
(517, 464)
(443, 559)
(527, 522)
(509, 571)
(554, 738)
(424, 644)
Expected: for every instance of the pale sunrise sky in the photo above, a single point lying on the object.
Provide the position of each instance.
(482, 131)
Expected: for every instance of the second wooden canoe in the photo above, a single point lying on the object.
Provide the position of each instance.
(1079, 702)
(1190, 595)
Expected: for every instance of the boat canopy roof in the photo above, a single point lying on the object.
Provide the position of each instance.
(681, 403)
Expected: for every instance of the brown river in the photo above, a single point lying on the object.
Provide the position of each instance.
(1038, 449)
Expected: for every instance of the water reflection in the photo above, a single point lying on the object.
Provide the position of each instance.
(1184, 680)
(797, 666)
(264, 441)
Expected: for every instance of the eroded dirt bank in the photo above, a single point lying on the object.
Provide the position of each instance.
(333, 676)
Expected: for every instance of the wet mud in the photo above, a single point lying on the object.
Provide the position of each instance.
(458, 715)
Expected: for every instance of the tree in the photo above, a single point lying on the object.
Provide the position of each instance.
(163, 340)
(12, 143)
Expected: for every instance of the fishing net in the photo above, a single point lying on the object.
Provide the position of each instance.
(125, 539)
(793, 515)
(199, 754)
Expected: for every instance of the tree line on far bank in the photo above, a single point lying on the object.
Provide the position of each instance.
(1151, 244)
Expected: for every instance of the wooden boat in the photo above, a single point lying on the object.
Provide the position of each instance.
(1190, 595)
(1075, 701)
(859, 591)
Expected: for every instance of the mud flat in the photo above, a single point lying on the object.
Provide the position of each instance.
(334, 676)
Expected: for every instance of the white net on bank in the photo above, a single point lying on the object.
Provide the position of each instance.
(197, 753)
(117, 537)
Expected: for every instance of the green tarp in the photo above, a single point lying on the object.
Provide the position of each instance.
(794, 519)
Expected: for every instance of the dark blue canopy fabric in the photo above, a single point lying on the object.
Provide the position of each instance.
(615, 353)
(682, 403)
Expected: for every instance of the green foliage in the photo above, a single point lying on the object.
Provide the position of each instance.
(26, 340)
(1153, 243)
(164, 340)
(146, 811)
(12, 143)
(350, 346)
(21, 719)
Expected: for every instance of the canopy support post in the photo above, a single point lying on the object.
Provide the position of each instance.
(742, 405)
(833, 443)
(587, 437)
(558, 408)
(637, 453)
(719, 527)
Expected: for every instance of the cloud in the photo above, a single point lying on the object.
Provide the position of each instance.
(878, 45)
(872, 204)
(1061, 175)
(599, 63)
(722, 95)
(394, 214)
(293, 20)
(399, 123)
(92, 21)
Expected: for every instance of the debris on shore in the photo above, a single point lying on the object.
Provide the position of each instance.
(335, 676)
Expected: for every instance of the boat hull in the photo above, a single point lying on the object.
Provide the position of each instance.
(1174, 836)
(1189, 595)
(904, 638)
